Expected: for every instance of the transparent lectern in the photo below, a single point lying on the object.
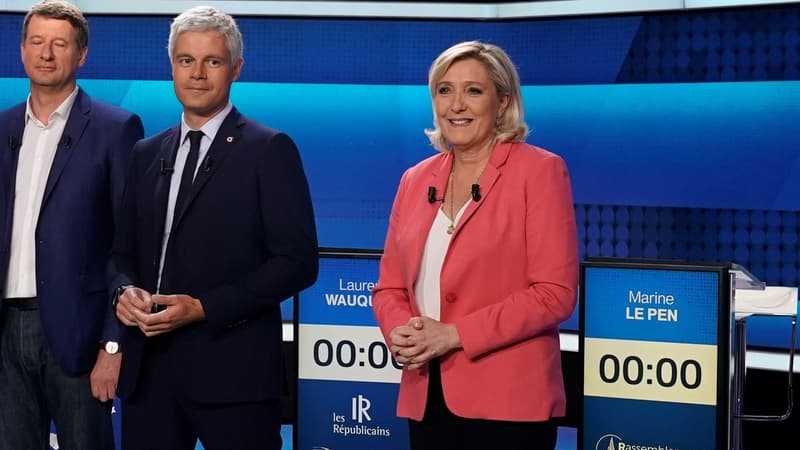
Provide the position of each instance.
(751, 297)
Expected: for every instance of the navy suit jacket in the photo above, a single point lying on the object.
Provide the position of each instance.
(76, 223)
(245, 241)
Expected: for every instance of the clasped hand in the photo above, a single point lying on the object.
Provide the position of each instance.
(422, 339)
(135, 306)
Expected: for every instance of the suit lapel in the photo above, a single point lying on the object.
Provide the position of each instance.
(167, 152)
(69, 142)
(424, 212)
(9, 157)
(490, 175)
(13, 142)
(227, 138)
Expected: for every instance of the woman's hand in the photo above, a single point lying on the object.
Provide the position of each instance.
(421, 340)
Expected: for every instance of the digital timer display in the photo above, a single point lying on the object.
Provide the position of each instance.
(666, 381)
(345, 353)
(655, 353)
(655, 371)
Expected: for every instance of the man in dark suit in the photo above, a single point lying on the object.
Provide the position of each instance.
(217, 230)
(60, 187)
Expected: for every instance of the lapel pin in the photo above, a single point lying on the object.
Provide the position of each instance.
(229, 139)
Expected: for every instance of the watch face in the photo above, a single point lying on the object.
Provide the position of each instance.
(111, 347)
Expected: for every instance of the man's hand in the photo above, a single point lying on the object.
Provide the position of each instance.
(132, 300)
(180, 311)
(104, 376)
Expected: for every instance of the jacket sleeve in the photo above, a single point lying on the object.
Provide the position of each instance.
(120, 157)
(390, 299)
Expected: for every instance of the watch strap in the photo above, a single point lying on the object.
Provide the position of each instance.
(117, 293)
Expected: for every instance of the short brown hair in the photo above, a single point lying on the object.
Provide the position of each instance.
(58, 9)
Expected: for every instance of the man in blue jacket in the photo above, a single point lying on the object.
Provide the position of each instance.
(61, 179)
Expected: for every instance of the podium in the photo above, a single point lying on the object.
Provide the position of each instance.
(752, 297)
(663, 350)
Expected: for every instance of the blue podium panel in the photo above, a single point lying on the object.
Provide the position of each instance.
(655, 347)
(356, 415)
(347, 379)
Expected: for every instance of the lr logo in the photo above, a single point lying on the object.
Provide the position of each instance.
(360, 407)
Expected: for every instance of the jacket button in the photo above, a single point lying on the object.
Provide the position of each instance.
(450, 298)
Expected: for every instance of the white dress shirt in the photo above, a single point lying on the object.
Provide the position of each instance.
(36, 155)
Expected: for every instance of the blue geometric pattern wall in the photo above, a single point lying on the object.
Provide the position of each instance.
(765, 242)
(754, 44)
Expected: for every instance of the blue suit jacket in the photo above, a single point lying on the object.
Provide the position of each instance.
(76, 224)
(245, 241)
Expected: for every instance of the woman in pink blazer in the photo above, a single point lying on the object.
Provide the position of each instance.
(480, 267)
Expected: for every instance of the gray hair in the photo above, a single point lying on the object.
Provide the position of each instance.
(511, 126)
(61, 10)
(207, 18)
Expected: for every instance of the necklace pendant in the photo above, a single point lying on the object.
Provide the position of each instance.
(450, 229)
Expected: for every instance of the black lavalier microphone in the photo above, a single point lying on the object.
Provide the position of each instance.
(165, 169)
(432, 195)
(66, 142)
(475, 190)
(13, 142)
(208, 164)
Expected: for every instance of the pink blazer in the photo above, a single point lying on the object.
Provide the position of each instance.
(509, 279)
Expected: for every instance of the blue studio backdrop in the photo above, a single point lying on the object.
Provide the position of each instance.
(679, 129)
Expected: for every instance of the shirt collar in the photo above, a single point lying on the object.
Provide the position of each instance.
(209, 128)
(62, 111)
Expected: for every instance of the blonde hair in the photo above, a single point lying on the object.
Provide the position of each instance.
(511, 126)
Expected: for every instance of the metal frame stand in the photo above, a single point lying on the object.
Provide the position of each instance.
(740, 367)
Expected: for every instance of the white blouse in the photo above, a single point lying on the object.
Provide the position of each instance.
(426, 288)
